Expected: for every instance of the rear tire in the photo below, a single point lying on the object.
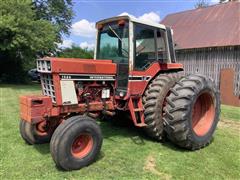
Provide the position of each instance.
(154, 101)
(76, 143)
(192, 112)
(34, 133)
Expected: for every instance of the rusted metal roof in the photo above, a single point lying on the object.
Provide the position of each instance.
(217, 25)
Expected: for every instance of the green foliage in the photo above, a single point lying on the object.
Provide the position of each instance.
(223, 1)
(76, 52)
(28, 30)
(109, 51)
(20, 31)
(201, 4)
(58, 12)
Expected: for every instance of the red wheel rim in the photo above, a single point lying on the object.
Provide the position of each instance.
(203, 114)
(41, 128)
(82, 146)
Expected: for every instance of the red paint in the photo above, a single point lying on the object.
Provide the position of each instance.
(227, 87)
(203, 114)
(56, 82)
(34, 108)
(82, 146)
(136, 107)
(41, 128)
(44, 109)
(138, 87)
(213, 26)
(82, 66)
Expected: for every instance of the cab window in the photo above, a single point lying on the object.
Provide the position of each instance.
(161, 46)
(145, 46)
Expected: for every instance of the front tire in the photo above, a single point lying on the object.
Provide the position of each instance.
(192, 112)
(35, 133)
(76, 143)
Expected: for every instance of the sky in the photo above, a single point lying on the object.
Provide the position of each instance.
(88, 12)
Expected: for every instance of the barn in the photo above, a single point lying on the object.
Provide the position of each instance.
(207, 41)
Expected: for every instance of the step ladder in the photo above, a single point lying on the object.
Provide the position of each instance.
(137, 110)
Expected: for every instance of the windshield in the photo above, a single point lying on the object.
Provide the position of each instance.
(113, 42)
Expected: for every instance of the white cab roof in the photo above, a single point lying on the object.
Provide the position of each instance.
(149, 23)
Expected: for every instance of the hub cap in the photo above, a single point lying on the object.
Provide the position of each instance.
(82, 145)
(41, 128)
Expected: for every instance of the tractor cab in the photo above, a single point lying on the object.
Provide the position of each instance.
(134, 46)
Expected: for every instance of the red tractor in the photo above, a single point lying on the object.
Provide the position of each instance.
(134, 72)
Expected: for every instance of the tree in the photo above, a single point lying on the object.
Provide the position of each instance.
(58, 12)
(76, 52)
(201, 4)
(20, 31)
(22, 37)
(223, 1)
(30, 28)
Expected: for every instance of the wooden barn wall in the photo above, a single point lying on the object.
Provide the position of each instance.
(210, 61)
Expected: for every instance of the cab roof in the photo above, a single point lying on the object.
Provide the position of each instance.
(130, 18)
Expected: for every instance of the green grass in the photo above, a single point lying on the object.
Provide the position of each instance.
(126, 153)
(230, 113)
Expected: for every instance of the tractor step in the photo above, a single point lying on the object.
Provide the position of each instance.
(137, 110)
(141, 125)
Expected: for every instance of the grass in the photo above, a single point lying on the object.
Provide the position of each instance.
(126, 153)
(230, 113)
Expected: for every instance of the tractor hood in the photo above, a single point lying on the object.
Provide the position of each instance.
(76, 66)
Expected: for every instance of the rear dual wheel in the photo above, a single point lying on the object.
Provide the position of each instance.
(154, 102)
(192, 112)
(76, 143)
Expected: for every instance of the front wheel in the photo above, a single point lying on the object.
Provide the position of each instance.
(76, 143)
(192, 112)
(35, 133)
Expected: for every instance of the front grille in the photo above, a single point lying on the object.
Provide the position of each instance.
(43, 65)
(47, 86)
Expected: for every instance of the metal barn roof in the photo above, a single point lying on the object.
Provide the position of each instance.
(217, 25)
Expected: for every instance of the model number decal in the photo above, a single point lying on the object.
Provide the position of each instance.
(84, 77)
(101, 77)
(65, 77)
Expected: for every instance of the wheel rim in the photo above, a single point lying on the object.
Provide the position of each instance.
(41, 128)
(203, 114)
(82, 145)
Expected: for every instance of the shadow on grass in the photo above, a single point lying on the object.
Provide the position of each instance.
(42, 148)
(136, 135)
(126, 130)
(174, 147)
(109, 131)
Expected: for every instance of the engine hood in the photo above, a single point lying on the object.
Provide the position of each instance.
(81, 66)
